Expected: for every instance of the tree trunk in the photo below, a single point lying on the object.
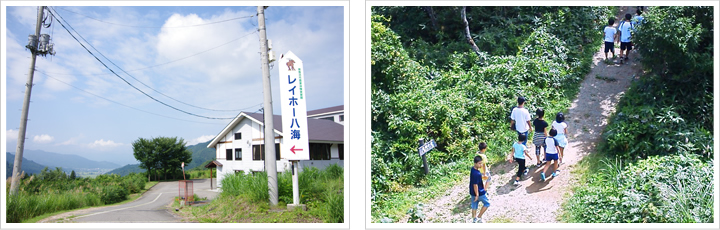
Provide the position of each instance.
(431, 14)
(467, 32)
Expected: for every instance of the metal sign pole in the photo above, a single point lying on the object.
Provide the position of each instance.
(296, 187)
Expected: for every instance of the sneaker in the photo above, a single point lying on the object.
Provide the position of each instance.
(553, 175)
(479, 220)
(516, 182)
(556, 173)
(525, 172)
(542, 177)
(538, 164)
(475, 220)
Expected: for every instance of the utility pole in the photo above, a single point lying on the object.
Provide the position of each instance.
(270, 161)
(33, 46)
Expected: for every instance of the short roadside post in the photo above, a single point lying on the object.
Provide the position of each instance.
(423, 149)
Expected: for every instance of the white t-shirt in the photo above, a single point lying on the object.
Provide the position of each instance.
(521, 116)
(624, 28)
(550, 143)
(560, 127)
(610, 33)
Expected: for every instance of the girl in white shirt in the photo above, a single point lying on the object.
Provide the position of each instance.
(561, 127)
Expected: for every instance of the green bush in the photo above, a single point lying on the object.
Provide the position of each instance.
(321, 190)
(677, 189)
(113, 193)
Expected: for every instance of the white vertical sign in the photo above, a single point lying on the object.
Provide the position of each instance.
(294, 110)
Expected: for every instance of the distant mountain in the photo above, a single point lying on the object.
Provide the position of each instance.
(127, 169)
(66, 161)
(200, 155)
(30, 167)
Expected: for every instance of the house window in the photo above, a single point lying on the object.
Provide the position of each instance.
(320, 151)
(228, 154)
(238, 154)
(238, 136)
(342, 117)
(341, 151)
(259, 152)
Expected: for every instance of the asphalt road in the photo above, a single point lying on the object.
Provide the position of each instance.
(150, 208)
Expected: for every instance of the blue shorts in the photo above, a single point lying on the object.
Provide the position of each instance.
(474, 204)
(562, 140)
(551, 156)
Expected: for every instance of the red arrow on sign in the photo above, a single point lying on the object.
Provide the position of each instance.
(293, 149)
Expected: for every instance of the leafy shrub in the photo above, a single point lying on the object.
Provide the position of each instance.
(113, 193)
(675, 188)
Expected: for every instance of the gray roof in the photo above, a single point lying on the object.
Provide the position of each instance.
(326, 110)
(318, 129)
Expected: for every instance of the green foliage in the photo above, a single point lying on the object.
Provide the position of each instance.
(162, 154)
(52, 191)
(416, 214)
(113, 193)
(431, 85)
(677, 189)
(660, 134)
(320, 190)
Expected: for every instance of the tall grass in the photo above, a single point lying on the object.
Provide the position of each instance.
(321, 190)
(51, 192)
(24, 206)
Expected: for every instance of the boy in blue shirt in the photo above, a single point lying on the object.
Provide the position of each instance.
(477, 190)
(518, 153)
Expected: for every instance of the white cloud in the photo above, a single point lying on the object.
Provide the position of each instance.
(43, 138)
(200, 139)
(11, 135)
(104, 144)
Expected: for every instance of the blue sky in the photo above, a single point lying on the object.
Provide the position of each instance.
(153, 44)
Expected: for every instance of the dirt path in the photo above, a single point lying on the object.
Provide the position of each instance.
(539, 202)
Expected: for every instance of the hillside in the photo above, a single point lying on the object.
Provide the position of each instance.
(30, 167)
(200, 155)
(127, 169)
(66, 161)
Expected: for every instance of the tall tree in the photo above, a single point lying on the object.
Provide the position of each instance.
(143, 150)
(162, 154)
(72, 175)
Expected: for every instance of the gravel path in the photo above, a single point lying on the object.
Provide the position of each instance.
(539, 202)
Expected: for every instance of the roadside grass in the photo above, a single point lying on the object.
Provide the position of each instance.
(244, 199)
(131, 197)
(238, 209)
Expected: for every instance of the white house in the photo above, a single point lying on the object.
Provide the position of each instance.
(240, 145)
(335, 113)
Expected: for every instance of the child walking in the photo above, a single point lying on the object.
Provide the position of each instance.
(477, 190)
(551, 154)
(484, 169)
(561, 127)
(610, 37)
(519, 152)
(540, 134)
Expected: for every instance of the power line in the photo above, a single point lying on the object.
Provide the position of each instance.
(136, 26)
(83, 38)
(88, 92)
(196, 54)
(101, 62)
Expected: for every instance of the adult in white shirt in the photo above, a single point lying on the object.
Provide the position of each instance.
(561, 127)
(521, 119)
